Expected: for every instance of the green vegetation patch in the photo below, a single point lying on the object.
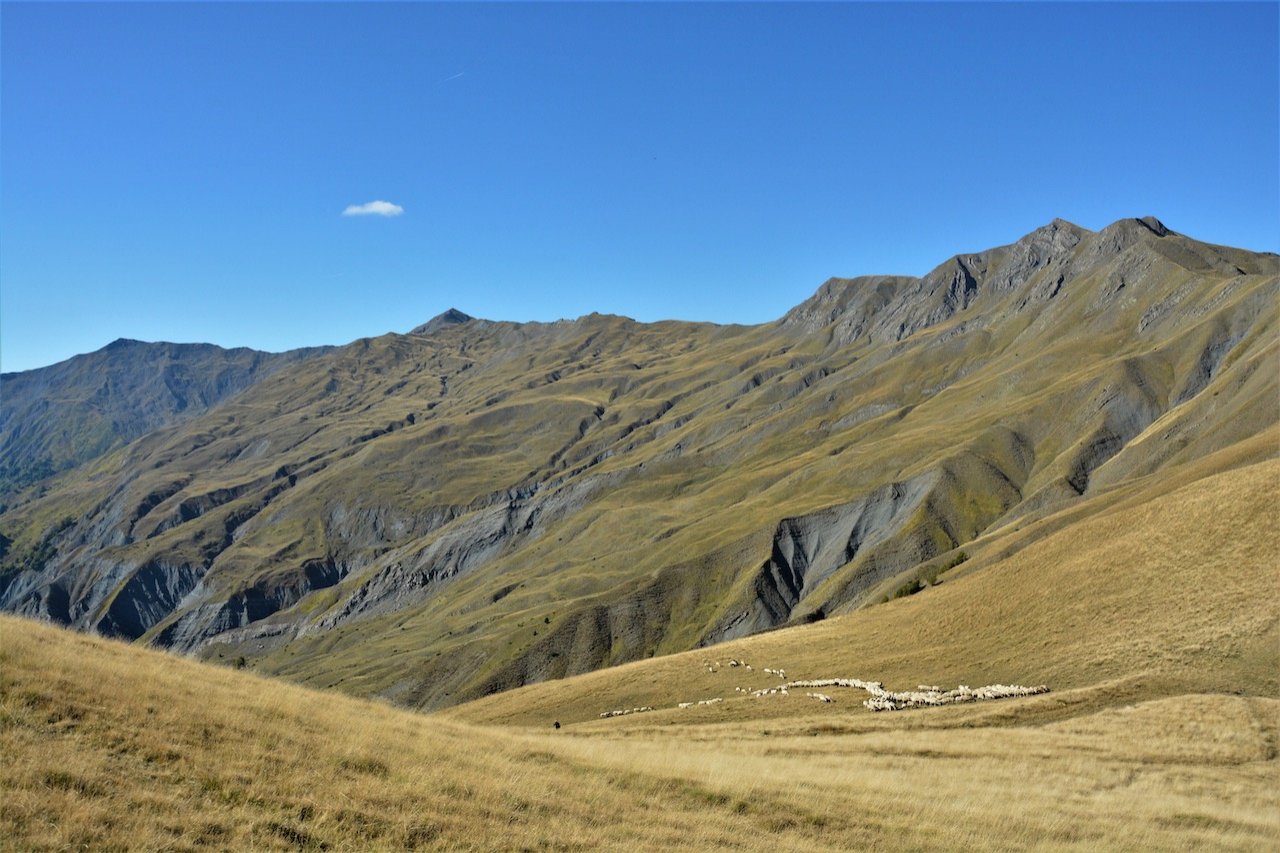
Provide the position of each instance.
(925, 576)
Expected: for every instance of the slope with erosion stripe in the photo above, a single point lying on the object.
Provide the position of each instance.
(1112, 603)
(435, 517)
(1161, 731)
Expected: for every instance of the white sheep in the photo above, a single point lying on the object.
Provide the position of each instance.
(925, 696)
(625, 711)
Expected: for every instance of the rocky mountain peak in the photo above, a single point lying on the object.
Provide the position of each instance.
(1134, 227)
(1155, 226)
(1059, 237)
(1044, 260)
(451, 317)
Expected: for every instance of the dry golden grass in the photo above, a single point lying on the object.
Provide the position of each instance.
(1149, 606)
(108, 746)
(1155, 622)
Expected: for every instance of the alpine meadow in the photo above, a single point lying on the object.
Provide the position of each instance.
(594, 426)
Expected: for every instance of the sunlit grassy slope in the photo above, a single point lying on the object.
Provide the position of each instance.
(110, 746)
(1160, 733)
(1157, 596)
(431, 518)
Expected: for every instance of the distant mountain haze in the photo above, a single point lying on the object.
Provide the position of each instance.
(478, 505)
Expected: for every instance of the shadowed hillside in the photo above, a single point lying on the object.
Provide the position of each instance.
(55, 418)
(439, 516)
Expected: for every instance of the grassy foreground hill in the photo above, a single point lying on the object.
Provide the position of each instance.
(435, 517)
(1160, 732)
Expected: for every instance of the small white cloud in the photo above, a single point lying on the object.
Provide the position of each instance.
(373, 208)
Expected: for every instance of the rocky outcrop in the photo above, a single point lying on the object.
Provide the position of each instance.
(151, 593)
(195, 626)
(809, 549)
(466, 541)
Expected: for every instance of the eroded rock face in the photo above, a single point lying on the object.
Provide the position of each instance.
(809, 549)
(528, 501)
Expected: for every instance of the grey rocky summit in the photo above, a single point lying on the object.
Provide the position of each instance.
(452, 317)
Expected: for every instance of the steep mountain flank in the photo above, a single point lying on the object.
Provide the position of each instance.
(55, 418)
(479, 505)
(1109, 606)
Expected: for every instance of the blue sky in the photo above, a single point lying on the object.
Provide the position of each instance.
(180, 172)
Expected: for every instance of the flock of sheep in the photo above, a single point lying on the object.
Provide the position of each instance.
(881, 699)
(624, 712)
(923, 696)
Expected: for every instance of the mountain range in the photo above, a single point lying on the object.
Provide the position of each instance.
(479, 505)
